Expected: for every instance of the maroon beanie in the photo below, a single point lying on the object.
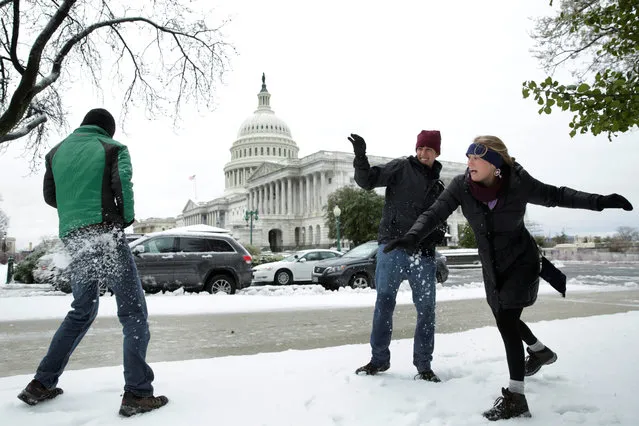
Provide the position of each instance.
(430, 139)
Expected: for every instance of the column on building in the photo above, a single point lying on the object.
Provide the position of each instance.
(258, 199)
(282, 197)
(313, 192)
(308, 194)
(298, 195)
(323, 192)
(276, 198)
(271, 202)
(289, 197)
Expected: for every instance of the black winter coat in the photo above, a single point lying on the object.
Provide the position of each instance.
(411, 188)
(509, 255)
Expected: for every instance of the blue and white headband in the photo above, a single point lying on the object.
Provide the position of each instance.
(485, 153)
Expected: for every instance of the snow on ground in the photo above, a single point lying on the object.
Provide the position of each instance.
(44, 303)
(594, 382)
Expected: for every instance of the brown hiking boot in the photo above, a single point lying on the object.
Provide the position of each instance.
(35, 392)
(132, 405)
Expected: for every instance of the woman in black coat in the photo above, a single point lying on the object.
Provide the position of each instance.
(493, 194)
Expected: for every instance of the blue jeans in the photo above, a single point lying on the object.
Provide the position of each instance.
(393, 268)
(102, 257)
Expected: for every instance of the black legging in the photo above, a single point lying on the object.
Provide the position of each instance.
(513, 330)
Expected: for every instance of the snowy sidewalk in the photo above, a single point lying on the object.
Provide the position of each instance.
(595, 382)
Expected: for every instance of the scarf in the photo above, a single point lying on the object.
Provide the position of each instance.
(483, 193)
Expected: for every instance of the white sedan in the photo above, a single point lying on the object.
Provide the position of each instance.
(297, 267)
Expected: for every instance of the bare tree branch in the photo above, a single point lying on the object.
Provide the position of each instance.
(162, 61)
(24, 92)
(14, 38)
(25, 129)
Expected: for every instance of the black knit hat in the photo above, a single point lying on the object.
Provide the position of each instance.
(102, 118)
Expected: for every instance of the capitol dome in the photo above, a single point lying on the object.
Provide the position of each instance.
(262, 138)
(263, 121)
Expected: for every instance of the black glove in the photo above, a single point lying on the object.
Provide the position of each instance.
(614, 201)
(407, 242)
(359, 146)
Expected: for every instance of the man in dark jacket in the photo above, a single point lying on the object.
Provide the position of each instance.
(412, 185)
(88, 180)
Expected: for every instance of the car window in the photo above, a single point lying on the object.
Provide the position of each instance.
(328, 255)
(194, 245)
(312, 256)
(220, 246)
(159, 245)
(363, 250)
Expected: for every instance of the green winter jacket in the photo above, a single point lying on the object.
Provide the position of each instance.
(88, 179)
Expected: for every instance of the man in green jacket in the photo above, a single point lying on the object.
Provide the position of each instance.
(88, 180)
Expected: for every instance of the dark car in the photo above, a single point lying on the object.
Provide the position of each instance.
(356, 268)
(195, 261)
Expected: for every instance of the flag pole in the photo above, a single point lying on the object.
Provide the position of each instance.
(195, 187)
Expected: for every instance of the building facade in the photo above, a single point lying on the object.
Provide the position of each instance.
(289, 193)
(153, 224)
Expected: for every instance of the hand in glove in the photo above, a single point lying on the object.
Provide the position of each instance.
(359, 146)
(614, 201)
(407, 242)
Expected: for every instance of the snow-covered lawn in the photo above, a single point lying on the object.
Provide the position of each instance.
(594, 382)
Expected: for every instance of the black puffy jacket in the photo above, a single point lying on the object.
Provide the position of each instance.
(411, 188)
(509, 255)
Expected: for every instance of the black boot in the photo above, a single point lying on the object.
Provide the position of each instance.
(508, 406)
(370, 369)
(535, 360)
(35, 392)
(132, 404)
(427, 375)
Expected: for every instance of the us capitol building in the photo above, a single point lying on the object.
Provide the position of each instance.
(289, 193)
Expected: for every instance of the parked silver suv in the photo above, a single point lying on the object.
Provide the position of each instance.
(194, 260)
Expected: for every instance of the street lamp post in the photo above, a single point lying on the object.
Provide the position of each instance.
(248, 217)
(337, 212)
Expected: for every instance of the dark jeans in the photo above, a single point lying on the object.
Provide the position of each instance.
(513, 330)
(392, 268)
(102, 257)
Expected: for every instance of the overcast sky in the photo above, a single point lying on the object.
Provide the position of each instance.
(383, 70)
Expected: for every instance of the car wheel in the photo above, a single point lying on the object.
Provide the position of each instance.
(359, 280)
(220, 284)
(283, 277)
